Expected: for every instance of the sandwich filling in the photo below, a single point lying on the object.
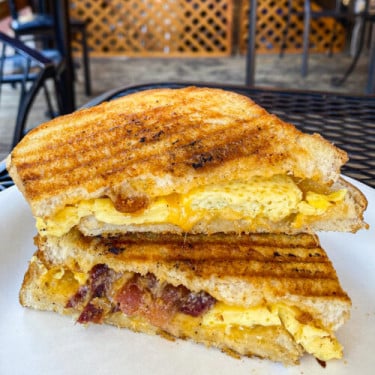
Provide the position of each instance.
(274, 199)
(102, 291)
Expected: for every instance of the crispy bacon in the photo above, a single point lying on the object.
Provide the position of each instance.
(140, 295)
(195, 304)
(78, 298)
(100, 279)
(159, 302)
(130, 298)
(91, 313)
(97, 286)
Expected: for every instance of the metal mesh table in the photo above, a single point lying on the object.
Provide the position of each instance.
(347, 121)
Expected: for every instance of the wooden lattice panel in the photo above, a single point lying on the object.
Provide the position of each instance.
(157, 27)
(270, 26)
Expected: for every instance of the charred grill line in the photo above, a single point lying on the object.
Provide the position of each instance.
(133, 155)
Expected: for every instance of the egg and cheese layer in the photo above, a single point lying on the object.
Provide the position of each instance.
(232, 320)
(272, 199)
(317, 341)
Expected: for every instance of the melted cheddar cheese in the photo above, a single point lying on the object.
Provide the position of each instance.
(274, 199)
(233, 320)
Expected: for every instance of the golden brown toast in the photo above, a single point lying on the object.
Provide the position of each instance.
(170, 142)
(288, 280)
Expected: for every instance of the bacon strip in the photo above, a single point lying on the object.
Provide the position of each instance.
(141, 295)
(159, 302)
(91, 313)
(78, 298)
(195, 304)
(100, 280)
(97, 286)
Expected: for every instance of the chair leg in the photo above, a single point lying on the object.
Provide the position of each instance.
(339, 81)
(24, 108)
(58, 92)
(86, 65)
(51, 113)
(286, 29)
(332, 41)
(306, 34)
(338, 5)
(370, 88)
(2, 61)
(26, 71)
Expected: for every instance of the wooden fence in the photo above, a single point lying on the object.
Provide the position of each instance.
(189, 28)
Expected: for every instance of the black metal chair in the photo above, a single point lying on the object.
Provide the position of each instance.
(334, 10)
(5, 180)
(33, 72)
(367, 17)
(41, 24)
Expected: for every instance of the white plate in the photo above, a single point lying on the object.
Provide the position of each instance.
(35, 342)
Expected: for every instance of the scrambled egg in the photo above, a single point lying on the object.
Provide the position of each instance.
(224, 315)
(62, 282)
(273, 198)
(316, 341)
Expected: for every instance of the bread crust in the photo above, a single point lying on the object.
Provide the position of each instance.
(162, 141)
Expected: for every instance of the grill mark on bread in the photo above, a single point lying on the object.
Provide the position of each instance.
(302, 267)
(220, 251)
(133, 160)
(187, 145)
(243, 281)
(174, 135)
(172, 126)
(253, 268)
(229, 149)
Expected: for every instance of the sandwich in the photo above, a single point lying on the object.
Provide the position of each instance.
(273, 296)
(190, 160)
(189, 213)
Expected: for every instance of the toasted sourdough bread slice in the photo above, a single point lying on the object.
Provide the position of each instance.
(162, 142)
(273, 296)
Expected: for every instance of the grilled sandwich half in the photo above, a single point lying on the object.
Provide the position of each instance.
(266, 295)
(196, 160)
